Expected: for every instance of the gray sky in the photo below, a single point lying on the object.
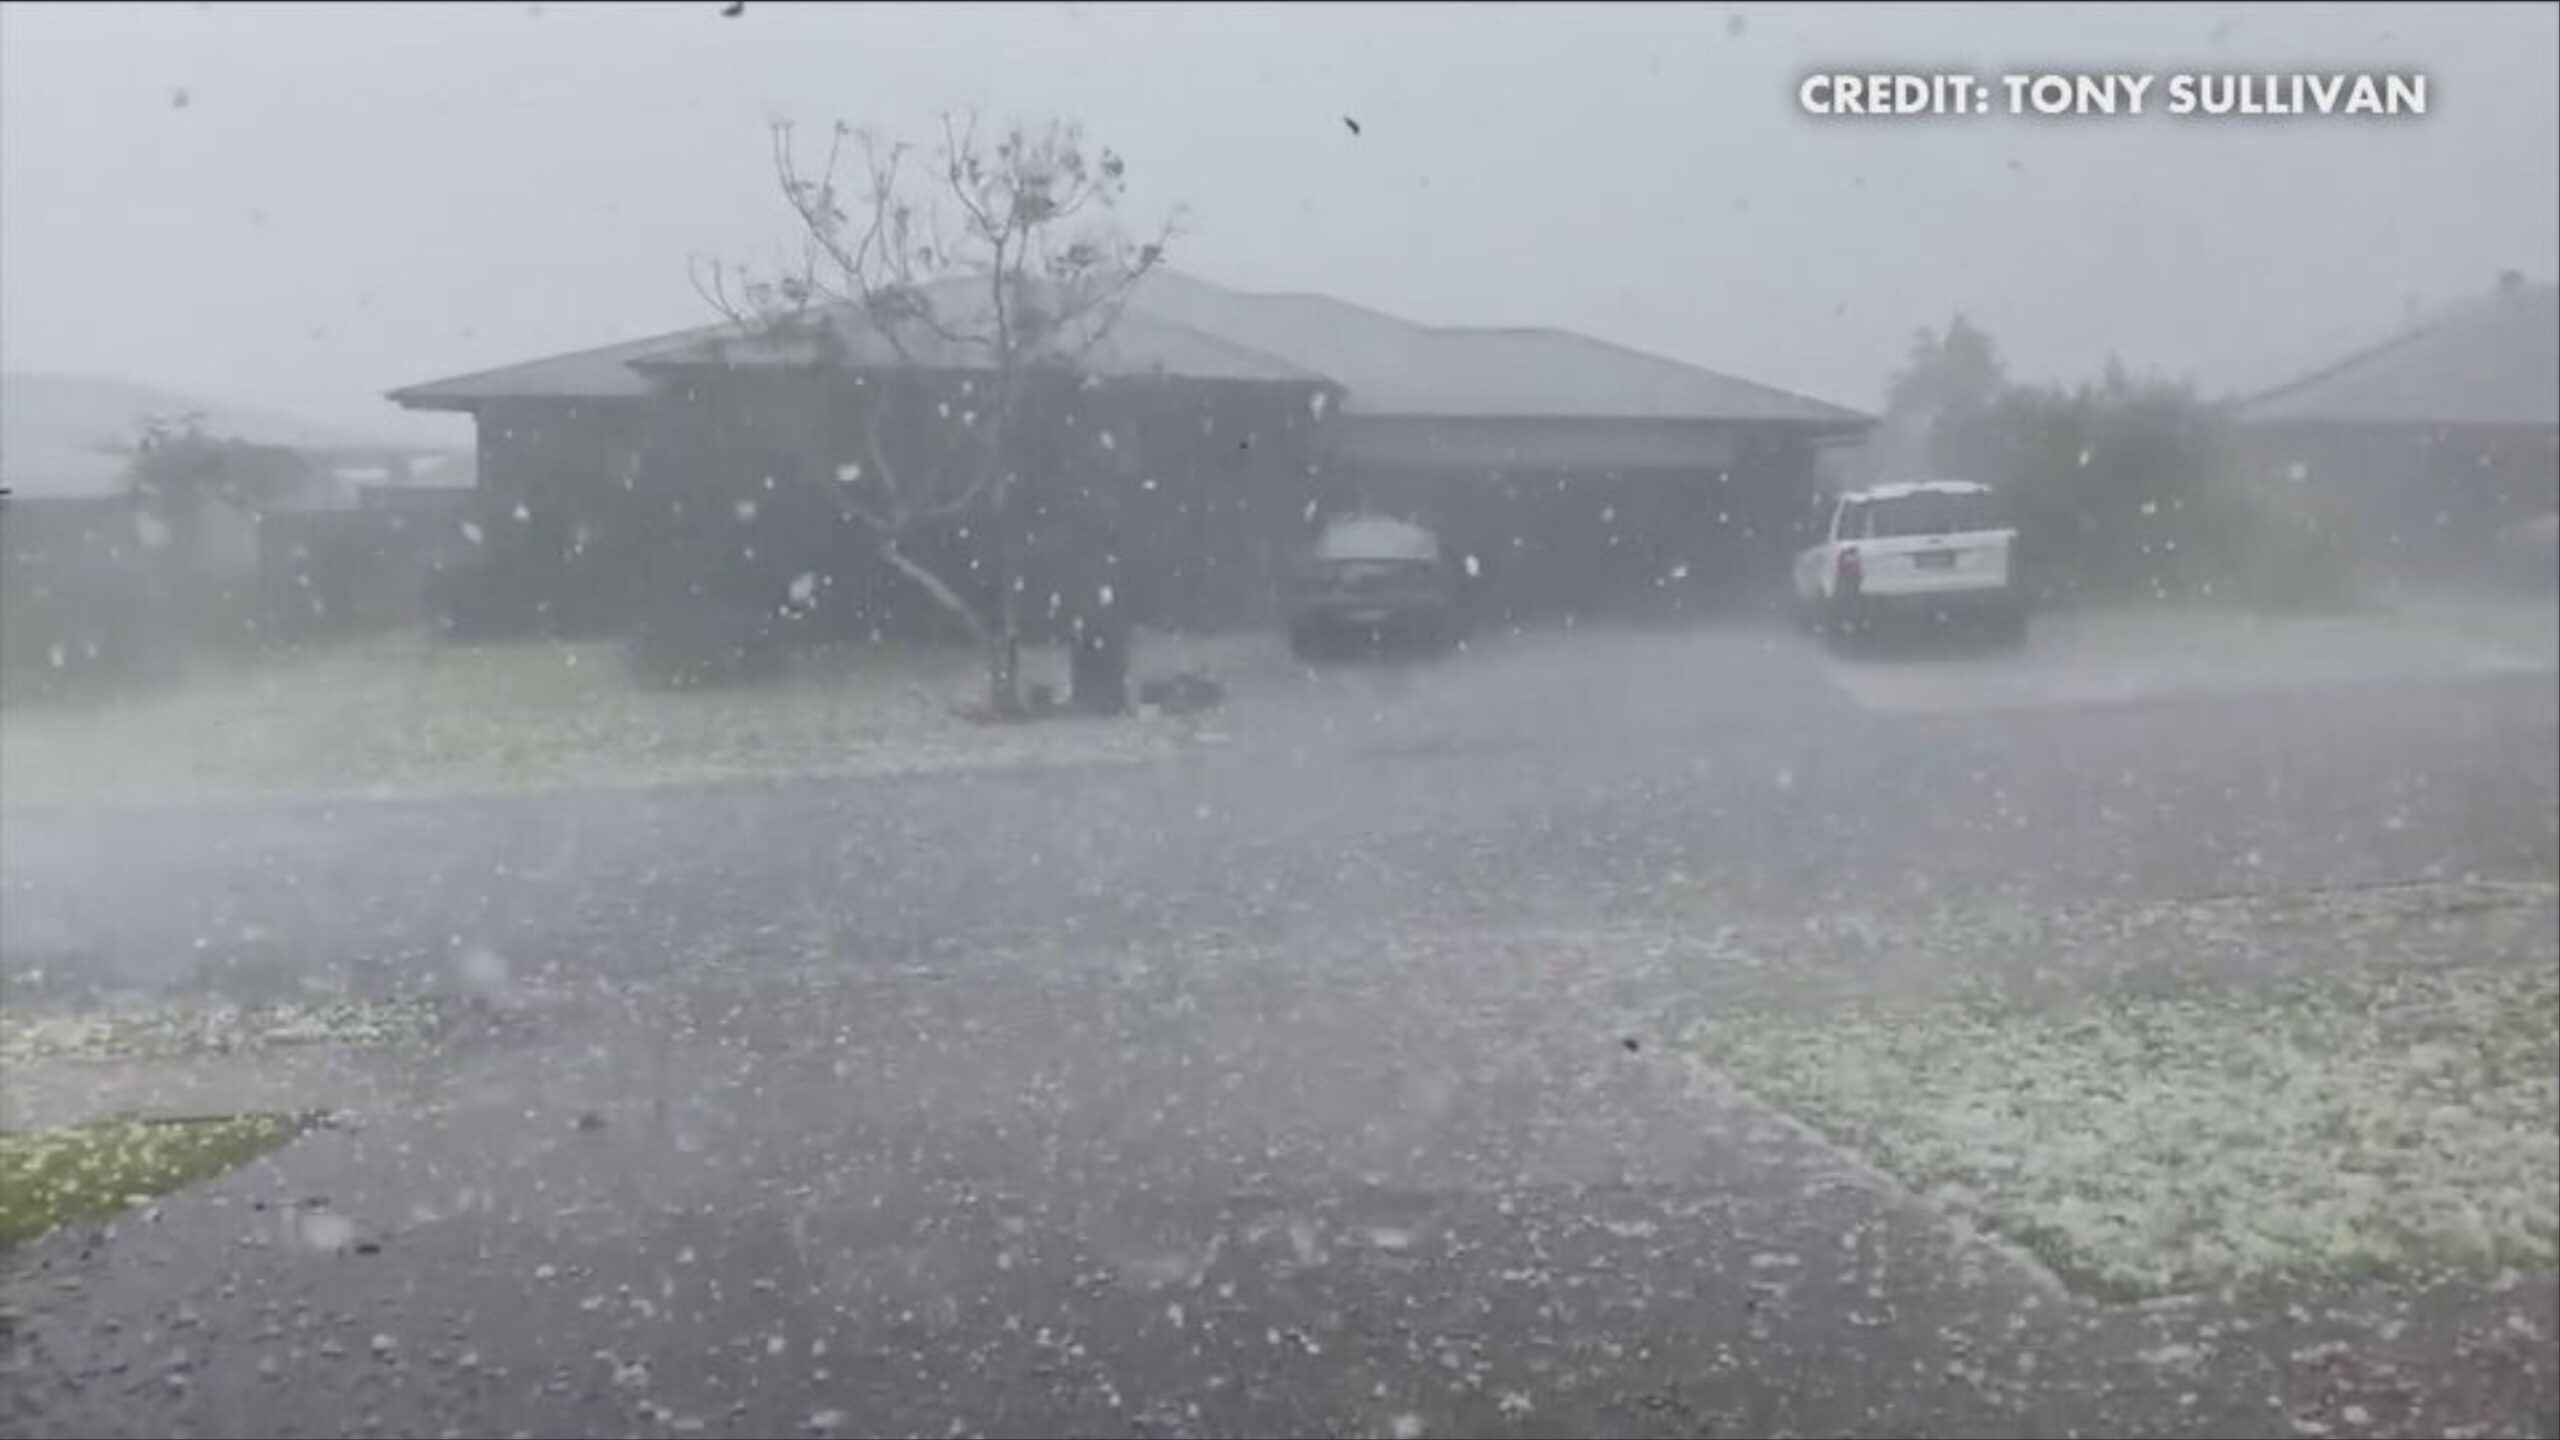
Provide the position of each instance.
(355, 199)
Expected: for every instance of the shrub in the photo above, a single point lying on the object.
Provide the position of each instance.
(688, 644)
(2279, 547)
(480, 601)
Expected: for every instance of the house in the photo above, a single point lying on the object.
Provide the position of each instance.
(361, 550)
(711, 457)
(92, 580)
(2422, 449)
(1578, 473)
(292, 527)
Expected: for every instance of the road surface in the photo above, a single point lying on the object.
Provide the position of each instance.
(1320, 1080)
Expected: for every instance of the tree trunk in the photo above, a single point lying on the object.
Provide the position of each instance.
(1001, 640)
(1004, 656)
(1098, 674)
(1004, 659)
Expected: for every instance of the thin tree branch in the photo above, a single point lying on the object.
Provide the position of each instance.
(933, 585)
(716, 293)
(878, 522)
(1004, 216)
(1115, 297)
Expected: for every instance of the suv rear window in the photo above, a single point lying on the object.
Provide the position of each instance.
(1376, 538)
(1933, 513)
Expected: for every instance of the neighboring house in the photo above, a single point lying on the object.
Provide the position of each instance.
(362, 551)
(744, 434)
(87, 583)
(2422, 449)
(93, 578)
(371, 478)
(435, 482)
(308, 523)
(1575, 471)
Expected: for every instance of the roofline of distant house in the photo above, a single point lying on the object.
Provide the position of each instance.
(2402, 423)
(407, 397)
(2375, 351)
(1376, 314)
(1845, 426)
(1296, 374)
(413, 397)
(2339, 367)
(1845, 413)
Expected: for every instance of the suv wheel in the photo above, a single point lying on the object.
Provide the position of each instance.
(2009, 626)
(1842, 626)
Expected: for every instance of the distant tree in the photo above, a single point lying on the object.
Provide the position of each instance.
(1942, 398)
(1957, 369)
(998, 258)
(181, 469)
(185, 481)
(2119, 483)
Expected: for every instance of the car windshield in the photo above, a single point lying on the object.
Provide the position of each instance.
(722, 718)
(1931, 512)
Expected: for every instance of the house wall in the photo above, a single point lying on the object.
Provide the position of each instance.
(76, 594)
(338, 572)
(1214, 488)
(1216, 483)
(2425, 499)
(1580, 519)
(551, 511)
(1187, 494)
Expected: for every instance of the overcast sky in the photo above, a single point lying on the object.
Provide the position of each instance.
(300, 207)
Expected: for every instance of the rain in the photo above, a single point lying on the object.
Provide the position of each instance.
(1279, 720)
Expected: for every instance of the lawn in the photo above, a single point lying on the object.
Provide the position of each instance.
(53, 1177)
(404, 713)
(27, 1038)
(2376, 1121)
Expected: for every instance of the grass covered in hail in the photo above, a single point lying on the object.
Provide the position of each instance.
(51, 1178)
(407, 713)
(2363, 1123)
(178, 1032)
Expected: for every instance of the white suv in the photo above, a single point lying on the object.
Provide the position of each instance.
(1934, 549)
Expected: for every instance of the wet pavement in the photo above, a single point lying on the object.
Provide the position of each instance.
(1317, 1081)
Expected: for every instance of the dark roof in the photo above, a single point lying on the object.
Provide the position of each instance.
(1137, 343)
(2493, 360)
(1178, 325)
(600, 374)
(1395, 367)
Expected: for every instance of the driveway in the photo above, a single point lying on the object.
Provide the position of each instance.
(1317, 1080)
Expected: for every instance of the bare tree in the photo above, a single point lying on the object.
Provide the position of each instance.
(995, 259)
